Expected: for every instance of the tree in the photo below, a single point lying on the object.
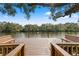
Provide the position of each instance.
(30, 27)
(11, 8)
(13, 27)
(57, 9)
(10, 27)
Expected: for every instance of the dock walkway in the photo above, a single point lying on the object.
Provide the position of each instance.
(37, 46)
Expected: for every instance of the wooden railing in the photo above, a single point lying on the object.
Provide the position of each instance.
(7, 48)
(71, 48)
(18, 51)
(56, 50)
(11, 49)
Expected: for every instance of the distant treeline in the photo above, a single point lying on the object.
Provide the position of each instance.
(13, 27)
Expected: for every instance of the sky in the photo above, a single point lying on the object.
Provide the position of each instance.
(39, 17)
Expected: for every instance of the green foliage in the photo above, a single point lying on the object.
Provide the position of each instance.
(57, 9)
(12, 27)
(11, 8)
(31, 28)
(68, 27)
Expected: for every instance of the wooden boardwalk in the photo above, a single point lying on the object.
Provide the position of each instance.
(37, 46)
(33, 46)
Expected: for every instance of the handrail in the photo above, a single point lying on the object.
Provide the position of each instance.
(58, 51)
(18, 49)
(65, 39)
(69, 43)
(8, 44)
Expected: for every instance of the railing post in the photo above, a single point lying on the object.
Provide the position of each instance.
(6, 50)
(76, 50)
(2, 51)
(72, 50)
(22, 51)
(67, 49)
(52, 50)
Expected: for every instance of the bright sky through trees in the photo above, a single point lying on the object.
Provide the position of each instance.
(41, 16)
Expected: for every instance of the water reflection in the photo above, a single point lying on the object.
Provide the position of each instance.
(41, 34)
(27, 35)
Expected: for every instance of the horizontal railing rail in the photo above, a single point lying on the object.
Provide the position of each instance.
(66, 40)
(69, 43)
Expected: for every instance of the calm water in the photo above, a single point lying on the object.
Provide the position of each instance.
(38, 43)
(40, 34)
(21, 37)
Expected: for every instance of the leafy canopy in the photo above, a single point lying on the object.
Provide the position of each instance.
(57, 9)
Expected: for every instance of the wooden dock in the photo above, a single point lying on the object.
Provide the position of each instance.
(37, 47)
(31, 46)
(28, 47)
(5, 42)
